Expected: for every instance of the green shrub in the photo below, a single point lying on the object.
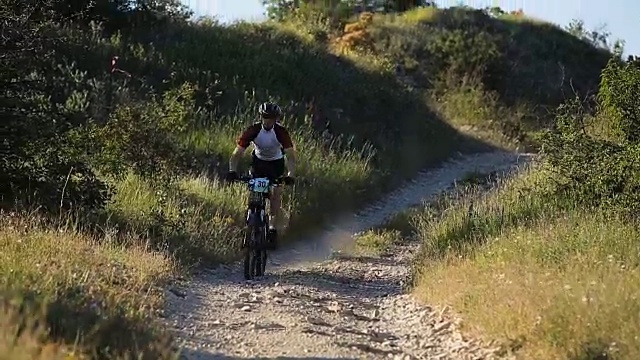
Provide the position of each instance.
(600, 172)
(618, 98)
(518, 62)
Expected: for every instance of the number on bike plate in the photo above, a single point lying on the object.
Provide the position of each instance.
(260, 185)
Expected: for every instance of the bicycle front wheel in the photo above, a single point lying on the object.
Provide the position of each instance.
(261, 261)
(250, 261)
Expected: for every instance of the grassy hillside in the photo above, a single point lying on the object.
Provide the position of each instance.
(118, 121)
(546, 262)
(495, 73)
(547, 278)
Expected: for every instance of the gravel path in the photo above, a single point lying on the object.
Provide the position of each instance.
(312, 305)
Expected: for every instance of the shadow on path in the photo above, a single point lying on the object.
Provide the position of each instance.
(202, 355)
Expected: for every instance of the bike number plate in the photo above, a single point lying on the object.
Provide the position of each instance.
(260, 185)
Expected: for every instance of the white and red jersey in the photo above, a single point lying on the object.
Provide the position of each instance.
(269, 144)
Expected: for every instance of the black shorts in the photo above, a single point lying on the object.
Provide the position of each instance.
(269, 169)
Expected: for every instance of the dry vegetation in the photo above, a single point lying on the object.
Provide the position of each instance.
(65, 293)
(549, 277)
(545, 276)
(108, 181)
(548, 260)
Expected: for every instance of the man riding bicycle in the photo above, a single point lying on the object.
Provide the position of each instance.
(272, 145)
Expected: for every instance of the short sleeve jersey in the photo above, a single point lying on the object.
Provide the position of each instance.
(269, 144)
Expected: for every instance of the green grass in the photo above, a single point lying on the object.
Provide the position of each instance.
(544, 277)
(375, 242)
(333, 179)
(548, 262)
(65, 293)
(168, 212)
(170, 129)
(499, 76)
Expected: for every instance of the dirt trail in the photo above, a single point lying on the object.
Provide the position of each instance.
(311, 305)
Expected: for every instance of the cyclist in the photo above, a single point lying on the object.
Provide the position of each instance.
(272, 145)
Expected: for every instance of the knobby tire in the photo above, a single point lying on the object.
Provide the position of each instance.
(261, 261)
(249, 254)
(255, 255)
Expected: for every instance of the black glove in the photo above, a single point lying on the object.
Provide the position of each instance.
(288, 180)
(231, 176)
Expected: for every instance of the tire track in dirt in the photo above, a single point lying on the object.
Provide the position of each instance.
(311, 305)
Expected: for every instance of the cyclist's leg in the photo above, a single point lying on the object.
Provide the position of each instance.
(276, 170)
(261, 168)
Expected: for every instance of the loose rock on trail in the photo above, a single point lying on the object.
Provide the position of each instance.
(312, 305)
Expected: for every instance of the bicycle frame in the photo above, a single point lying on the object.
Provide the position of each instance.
(257, 215)
(257, 222)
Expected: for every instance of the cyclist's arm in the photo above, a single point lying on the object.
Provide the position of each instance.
(235, 158)
(288, 148)
(242, 143)
(290, 158)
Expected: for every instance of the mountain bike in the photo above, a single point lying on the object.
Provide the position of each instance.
(255, 240)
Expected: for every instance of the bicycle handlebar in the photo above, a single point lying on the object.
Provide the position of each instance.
(276, 181)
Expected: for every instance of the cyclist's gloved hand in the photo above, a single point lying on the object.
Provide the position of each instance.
(289, 180)
(231, 176)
